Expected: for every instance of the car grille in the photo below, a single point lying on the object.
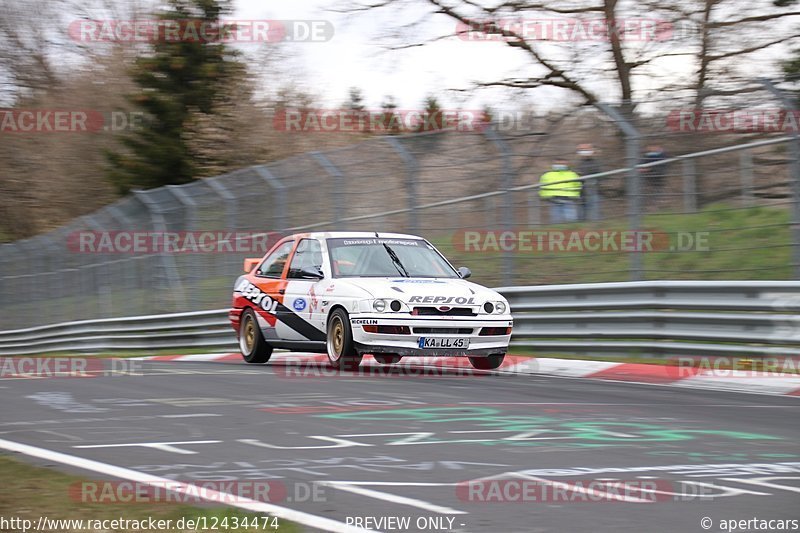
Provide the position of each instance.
(453, 311)
(444, 331)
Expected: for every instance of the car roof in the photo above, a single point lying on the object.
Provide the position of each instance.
(355, 235)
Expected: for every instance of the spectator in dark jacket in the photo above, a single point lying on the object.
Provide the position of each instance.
(654, 177)
(590, 199)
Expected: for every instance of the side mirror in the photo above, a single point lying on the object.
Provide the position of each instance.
(250, 264)
(311, 273)
(464, 272)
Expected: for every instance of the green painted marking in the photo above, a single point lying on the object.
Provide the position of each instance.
(545, 430)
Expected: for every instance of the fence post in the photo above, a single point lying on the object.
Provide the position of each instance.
(632, 155)
(231, 206)
(280, 197)
(8, 290)
(746, 176)
(412, 170)
(338, 186)
(689, 186)
(229, 264)
(534, 209)
(507, 182)
(167, 260)
(101, 282)
(132, 264)
(794, 174)
(190, 207)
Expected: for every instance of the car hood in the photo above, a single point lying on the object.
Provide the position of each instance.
(425, 290)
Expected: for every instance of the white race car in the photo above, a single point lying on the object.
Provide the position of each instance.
(356, 293)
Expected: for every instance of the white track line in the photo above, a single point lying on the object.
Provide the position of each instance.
(394, 498)
(319, 522)
(575, 488)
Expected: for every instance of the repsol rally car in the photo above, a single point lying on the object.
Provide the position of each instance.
(356, 293)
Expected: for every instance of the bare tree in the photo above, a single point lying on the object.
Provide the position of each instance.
(707, 43)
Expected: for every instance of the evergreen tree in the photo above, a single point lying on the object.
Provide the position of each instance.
(432, 118)
(177, 78)
(390, 120)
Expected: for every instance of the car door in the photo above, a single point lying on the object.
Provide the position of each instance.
(270, 285)
(303, 295)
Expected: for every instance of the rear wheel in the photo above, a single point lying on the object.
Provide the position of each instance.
(254, 348)
(388, 359)
(487, 363)
(341, 350)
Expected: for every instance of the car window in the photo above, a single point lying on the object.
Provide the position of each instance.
(308, 255)
(372, 257)
(272, 266)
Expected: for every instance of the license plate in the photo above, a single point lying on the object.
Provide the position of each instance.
(443, 342)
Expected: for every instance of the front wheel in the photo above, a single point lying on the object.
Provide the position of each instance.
(341, 350)
(487, 363)
(254, 348)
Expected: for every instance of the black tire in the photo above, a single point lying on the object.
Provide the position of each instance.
(254, 348)
(487, 363)
(388, 359)
(339, 342)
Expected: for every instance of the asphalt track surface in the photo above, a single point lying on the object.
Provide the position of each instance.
(401, 445)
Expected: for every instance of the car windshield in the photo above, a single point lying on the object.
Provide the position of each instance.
(374, 257)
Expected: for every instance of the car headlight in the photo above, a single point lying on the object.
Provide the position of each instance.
(495, 308)
(385, 305)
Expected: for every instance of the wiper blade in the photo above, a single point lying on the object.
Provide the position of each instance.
(396, 260)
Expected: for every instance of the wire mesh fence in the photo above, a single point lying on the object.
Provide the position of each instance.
(712, 205)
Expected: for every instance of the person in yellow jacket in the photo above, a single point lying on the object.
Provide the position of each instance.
(564, 198)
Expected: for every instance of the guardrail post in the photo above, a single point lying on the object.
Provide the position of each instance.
(794, 174)
(412, 170)
(280, 219)
(338, 186)
(633, 186)
(689, 186)
(507, 210)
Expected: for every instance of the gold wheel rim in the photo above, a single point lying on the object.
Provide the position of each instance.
(249, 334)
(338, 336)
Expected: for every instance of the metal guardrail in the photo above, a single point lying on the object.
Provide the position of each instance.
(202, 329)
(650, 318)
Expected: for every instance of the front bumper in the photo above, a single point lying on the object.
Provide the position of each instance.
(408, 345)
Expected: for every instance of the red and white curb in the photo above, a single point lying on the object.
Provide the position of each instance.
(687, 377)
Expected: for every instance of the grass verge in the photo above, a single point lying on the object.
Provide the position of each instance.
(29, 492)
